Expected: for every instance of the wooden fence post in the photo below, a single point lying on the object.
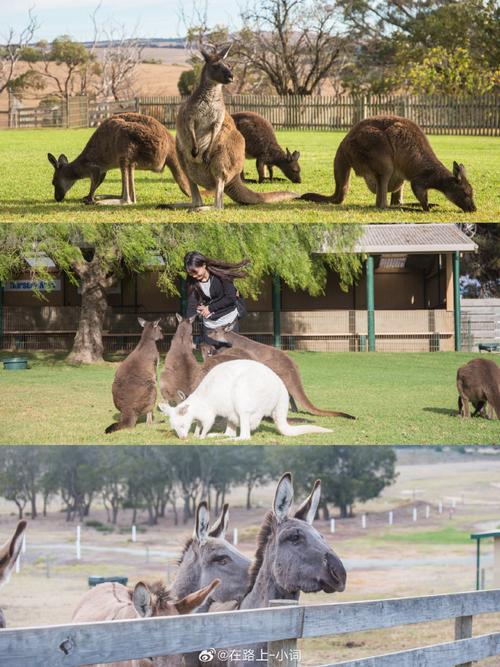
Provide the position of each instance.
(463, 630)
(283, 653)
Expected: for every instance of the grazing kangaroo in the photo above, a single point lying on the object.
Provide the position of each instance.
(211, 151)
(181, 372)
(9, 553)
(292, 556)
(242, 391)
(113, 602)
(280, 363)
(127, 141)
(261, 143)
(478, 382)
(388, 150)
(134, 386)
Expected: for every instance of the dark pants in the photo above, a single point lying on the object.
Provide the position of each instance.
(205, 336)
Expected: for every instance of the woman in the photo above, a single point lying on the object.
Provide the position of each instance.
(212, 294)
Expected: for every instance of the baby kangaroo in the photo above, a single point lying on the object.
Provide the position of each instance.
(127, 141)
(388, 150)
(211, 151)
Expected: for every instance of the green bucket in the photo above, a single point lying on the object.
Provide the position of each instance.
(95, 581)
(15, 364)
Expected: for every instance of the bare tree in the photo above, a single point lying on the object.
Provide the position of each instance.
(12, 52)
(295, 43)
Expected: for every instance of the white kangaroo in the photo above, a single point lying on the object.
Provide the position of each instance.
(242, 391)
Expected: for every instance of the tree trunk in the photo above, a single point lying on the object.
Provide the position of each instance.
(174, 510)
(88, 346)
(34, 512)
(249, 495)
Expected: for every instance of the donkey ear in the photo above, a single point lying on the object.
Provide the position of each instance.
(191, 602)
(141, 598)
(283, 498)
(178, 317)
(307, 511)
(141, 321)
(52, 160)
(219, 528)
(202, 523)
(10, 551)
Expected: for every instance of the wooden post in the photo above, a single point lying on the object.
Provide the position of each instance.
(283, 653)
(463, 630)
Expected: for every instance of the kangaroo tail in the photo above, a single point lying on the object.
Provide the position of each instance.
(179, 176)
(300, 396)
(281, 421)
(126, 421)
(239, 193)
(113, 427)
(341, 173)
(494, 400)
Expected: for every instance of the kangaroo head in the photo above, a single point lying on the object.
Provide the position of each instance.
(290, 166)
(459, 190)
(216, 70)
(151, 329)
(180, 417)
(62, 179)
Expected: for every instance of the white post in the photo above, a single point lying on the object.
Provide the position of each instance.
(363, 521)
(134, 534)
(414, 514)
(78, 543)
(235, 536)
(453, 502)
(391, 518)
(427, 511)
(332, 525)
(440, 507)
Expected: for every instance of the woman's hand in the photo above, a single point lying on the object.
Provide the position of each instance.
(204, 311)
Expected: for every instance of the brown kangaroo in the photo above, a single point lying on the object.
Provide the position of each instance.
(280, 363)
(388, 150)
(9, 553)
(479, 382)
(261, 143)
(134, 386)
(181, 373)
(210, 149)
(128, 141)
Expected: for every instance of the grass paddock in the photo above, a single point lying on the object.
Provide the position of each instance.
(26, 193)
(397, 398)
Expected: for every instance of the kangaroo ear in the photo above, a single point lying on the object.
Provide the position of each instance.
(192, 319)
(223, 52)
(202, 522)
(218, 529)
(283, 498)
(288, 155)
(206, 55)
(307, 511)
(178, 317)
(181, 395)
(166, 408)
(156, 322)
(62, 159)
(141, 322)
(295, 155)
(52, 160)
(194, 600)
(457, 170)
(141, 598)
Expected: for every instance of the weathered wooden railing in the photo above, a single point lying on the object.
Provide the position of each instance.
(90, 643)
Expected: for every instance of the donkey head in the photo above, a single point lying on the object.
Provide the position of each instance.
(459, 190)
(9, 553)
(63, 178)
(209, 555)
(216, 70)
(298, 557)
(152, 330)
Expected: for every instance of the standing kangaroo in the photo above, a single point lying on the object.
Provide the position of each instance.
(388, 150)
(9, 553)
(280, 363)
(243, 392)
(210, 148)
(134, 386)
(128, 141)
(261, 143)
(478, 382)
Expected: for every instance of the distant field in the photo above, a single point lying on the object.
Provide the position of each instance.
(396, 398)
(26, 193)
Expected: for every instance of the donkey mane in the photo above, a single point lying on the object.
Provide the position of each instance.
(265, 532)
(185, 549)
(162, 593)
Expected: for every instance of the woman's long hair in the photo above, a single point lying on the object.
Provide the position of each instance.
(223, 270)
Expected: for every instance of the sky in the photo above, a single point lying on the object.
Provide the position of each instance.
(145, 18)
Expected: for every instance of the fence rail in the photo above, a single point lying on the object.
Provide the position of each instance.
(90, 643)
(438, 115)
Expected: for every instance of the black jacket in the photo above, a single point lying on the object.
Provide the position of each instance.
(222, 298)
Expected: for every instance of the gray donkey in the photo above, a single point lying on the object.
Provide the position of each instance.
(291, 556)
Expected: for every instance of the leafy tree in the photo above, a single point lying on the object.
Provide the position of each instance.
(20, 474)
(187, 81)
(484, 266)
(96, 256)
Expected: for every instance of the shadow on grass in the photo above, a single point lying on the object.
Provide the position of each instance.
(442, 411)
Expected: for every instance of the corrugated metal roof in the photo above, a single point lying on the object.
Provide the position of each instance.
(411, 238)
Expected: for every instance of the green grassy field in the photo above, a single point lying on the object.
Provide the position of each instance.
(26, 193)
(397, 399)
